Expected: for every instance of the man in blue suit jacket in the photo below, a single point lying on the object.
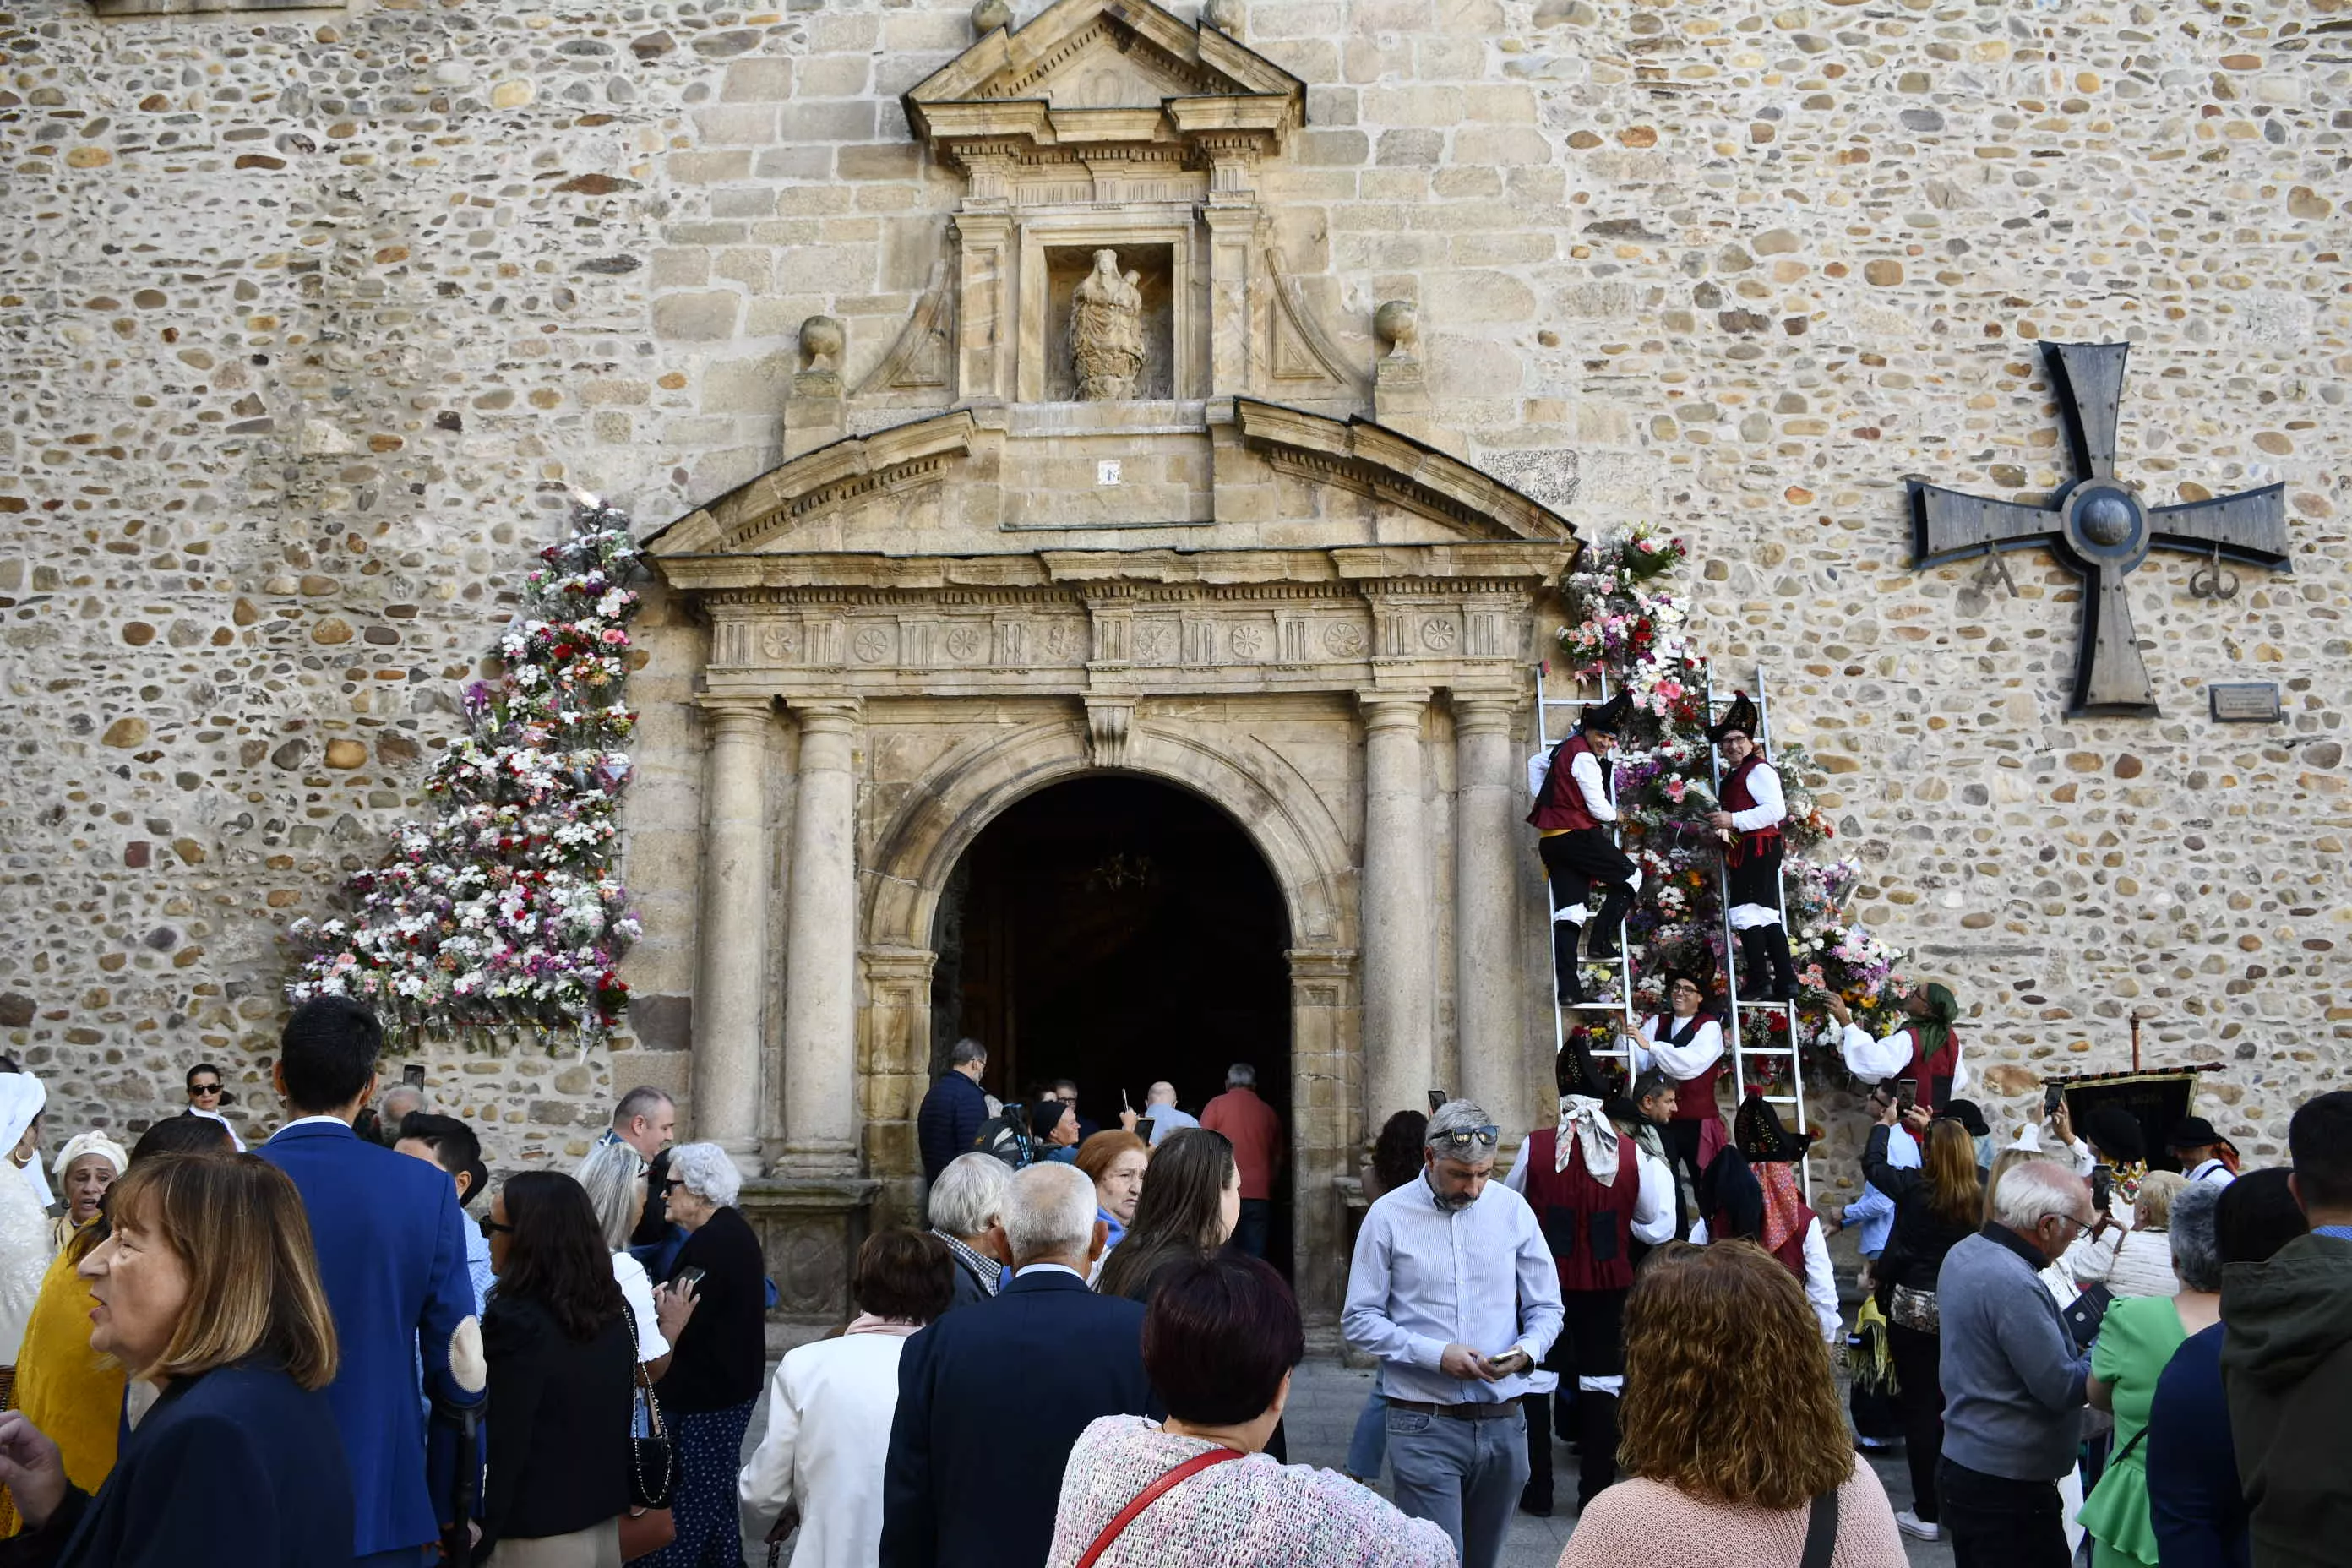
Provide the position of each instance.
(392, 1255)
(974, 1472)
(952, 1113)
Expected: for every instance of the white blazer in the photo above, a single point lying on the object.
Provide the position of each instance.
(829, 1410)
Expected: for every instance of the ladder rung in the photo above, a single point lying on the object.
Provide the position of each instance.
(1765, 1051)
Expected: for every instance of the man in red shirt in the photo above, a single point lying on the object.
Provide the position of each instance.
(1255, 1133)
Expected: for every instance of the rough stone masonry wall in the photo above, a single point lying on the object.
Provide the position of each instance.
(307, 318)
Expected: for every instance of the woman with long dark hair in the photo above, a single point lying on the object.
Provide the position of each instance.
(1937, 1207)
(1192, 1199)
(562, 1361)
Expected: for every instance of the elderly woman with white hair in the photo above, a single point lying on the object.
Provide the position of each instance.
(613, 1177)
(967, 1206)
(712, 1311)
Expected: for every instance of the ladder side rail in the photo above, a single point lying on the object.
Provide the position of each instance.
(1780, 890)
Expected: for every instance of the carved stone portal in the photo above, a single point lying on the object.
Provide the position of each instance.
(1107, 332)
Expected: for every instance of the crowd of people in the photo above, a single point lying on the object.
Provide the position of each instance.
(313, 1342)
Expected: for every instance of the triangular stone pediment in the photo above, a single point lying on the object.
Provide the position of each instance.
(1064, 77)
(946, 485)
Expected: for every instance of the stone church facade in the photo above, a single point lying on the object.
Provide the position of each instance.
(316, 314)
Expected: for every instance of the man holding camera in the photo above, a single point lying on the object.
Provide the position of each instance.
(1453, 1288)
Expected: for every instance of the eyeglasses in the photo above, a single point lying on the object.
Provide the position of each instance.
(1466, 1137)
(491, 1227)
(204, 1088)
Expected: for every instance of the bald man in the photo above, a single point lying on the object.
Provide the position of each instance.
(1159, 1104)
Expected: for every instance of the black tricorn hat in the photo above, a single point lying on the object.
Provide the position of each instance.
(1739, 716)
(1758, 1132)
(2196, 1133)
(1610, 716)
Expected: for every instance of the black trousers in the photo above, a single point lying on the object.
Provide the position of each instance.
(1995, 1522)
(1591, 1345)
(1756, 880)
(1574, 861)
(1919, 1395)
(1681, 1138)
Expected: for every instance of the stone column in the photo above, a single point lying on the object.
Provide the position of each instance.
(821, 1117)
(1395, 980)
(731, 973)
(1485, 949)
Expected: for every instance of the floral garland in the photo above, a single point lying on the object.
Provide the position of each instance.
(503, 912)
(1628, 624)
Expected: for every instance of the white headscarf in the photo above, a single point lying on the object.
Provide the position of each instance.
(21, 1099)
(91, 1142)
(1583, 1124)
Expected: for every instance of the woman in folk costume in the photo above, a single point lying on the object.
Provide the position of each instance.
(1753, 808)
(1751, 1192)
(1572, 810)
(1597, 1194)
(1685, 1043)
(24, 1228)
(1927, 1049)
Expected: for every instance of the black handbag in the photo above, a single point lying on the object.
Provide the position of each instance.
(653, 1461)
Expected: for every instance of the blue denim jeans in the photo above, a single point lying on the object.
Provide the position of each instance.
(1465, 1476)
(1370, 1447)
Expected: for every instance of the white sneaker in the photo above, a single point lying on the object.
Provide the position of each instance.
(1910, 1523)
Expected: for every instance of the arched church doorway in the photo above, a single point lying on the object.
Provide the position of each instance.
(1117, 930)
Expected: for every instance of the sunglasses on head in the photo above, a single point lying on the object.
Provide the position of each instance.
(1466, 1137)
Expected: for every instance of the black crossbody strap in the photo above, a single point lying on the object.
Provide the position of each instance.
(1820, 1531)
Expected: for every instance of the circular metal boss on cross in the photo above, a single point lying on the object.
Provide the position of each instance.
(2105, 523)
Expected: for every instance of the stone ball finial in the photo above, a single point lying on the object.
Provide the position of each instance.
(989, 15)
(1224, 15)
(822, 340)
(1398, 325)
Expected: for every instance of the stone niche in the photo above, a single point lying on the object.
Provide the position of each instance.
(1167, 368)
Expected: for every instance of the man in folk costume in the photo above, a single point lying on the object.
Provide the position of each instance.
(1753, 808)
(1766, 1155)
(1596, 1194)
(1927, 1049)
(1572, 810)
(1685, 1043)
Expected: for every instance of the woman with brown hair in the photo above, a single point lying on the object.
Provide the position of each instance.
(1192, 1199)
(1730, 1432)
(1114, 1161)
(1937, 1207)
(207, 1289)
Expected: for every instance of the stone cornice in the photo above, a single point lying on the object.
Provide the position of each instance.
(1469, 569)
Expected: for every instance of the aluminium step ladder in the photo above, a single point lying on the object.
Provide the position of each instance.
(1749, 1021)
(1547, 706)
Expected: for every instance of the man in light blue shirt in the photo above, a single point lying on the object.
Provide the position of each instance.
(1159, 1105)
(1453, 1288)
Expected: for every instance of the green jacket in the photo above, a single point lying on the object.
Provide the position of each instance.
(2286, 1365)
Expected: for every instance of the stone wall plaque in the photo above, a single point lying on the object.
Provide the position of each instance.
(2245, 702)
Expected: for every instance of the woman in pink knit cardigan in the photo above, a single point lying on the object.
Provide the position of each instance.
(1731, 1428)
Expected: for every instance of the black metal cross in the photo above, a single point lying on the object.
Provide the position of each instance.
(2099, 527)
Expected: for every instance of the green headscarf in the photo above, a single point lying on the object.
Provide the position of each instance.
(1936, 1027)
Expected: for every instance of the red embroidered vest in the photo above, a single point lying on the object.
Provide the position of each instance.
(1736, 798)
(1561, 807)
(1588, 1227)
